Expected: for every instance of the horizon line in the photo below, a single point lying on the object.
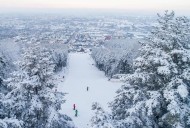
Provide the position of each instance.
(90, 10)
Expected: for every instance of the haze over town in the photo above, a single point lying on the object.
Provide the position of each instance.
(107, 6)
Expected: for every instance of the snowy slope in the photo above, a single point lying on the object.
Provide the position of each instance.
(80, 75)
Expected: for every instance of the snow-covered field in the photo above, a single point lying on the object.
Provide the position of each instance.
(81, 73)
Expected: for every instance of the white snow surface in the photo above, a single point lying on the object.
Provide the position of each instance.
(81, 73)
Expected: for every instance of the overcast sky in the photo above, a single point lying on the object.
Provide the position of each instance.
(182, 5)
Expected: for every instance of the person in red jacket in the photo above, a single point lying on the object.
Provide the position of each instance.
(74, 106)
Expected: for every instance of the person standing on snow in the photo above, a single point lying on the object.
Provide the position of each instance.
(74, 106)
(76, 113)
(87, 88)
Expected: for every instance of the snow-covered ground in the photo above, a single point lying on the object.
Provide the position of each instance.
(81, 73)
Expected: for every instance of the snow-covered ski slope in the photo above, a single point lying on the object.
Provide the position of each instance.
(81, 73)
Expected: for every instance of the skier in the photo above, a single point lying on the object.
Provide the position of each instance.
(109, 78)
(76, 113)
(87, 88)
(74, 106)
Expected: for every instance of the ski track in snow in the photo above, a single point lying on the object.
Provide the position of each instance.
(81, 73)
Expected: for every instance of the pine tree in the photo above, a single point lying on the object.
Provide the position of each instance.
(157, 93)
(10, 123)
(2, 74)
(116, 56)
(101, 119)
(5, 120)
(32, 98)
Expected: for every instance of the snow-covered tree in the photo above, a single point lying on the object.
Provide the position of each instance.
(157, 94)
(10, 123)
(5, 120)
(101, 119)
(60, 58)
(33, 98)
(116, 56)
(2, 74)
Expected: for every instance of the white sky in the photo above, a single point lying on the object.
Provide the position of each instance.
(181, 5)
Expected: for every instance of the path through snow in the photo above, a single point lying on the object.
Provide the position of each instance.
(80, 75)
